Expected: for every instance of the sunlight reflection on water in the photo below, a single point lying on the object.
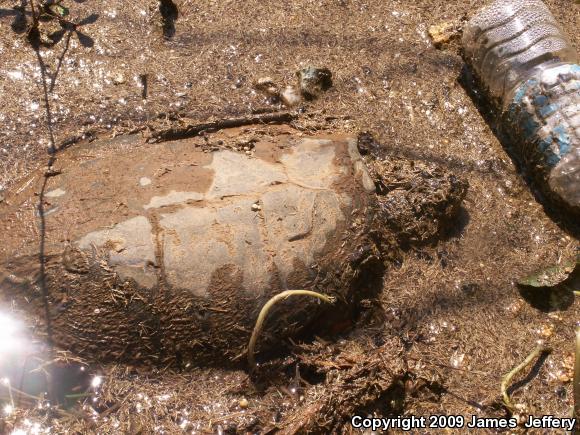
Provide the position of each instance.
(33, 377)
(11, 336)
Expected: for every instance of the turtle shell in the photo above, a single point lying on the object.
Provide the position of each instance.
(167, 252)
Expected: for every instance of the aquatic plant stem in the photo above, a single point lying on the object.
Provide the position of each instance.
(266, 308)
(507, 378)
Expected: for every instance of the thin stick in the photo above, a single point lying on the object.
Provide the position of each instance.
(507, 378)
(78, 395)
(33, 9)
(195, 129)
(577, 377)
(266, 308)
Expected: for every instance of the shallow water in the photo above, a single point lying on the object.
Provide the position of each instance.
(389, 79)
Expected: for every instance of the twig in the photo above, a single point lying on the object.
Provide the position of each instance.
(266, 308)
(60, 60)
(195, 129)
(78, 395)
(41, 212)
(507, 378)
(34, 16)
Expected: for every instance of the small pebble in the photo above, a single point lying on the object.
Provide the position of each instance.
(290, 96)
(243, 403)
(55, 193)
(256, 207)
(546, 331)
(443, 33)
(267, 86)
(564, 378)
(119, 79)
(264, 81)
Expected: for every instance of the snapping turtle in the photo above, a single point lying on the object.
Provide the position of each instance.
(167, 252)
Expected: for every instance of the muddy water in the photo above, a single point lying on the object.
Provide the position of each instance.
(455, 304)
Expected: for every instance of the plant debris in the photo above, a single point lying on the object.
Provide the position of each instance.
(508, 377)
(264, 313)
(443, 305)
(313, 81)
(552, 288)
(554, 276)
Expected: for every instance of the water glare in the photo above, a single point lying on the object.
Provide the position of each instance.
(11, 340)
(96, 382)
(8, 409)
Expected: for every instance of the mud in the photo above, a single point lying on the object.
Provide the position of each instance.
(167, 253)
(420, 202)
(451, 305)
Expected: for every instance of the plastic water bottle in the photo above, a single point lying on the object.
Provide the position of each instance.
(521, 55)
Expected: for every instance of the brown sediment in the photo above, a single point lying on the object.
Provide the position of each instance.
(452, 304)
(143, 289)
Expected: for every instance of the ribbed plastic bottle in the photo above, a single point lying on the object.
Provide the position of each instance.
(520, 53)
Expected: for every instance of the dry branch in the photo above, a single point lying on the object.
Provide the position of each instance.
(191, 130)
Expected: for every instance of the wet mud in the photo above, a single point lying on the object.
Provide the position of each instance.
(440, 324)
